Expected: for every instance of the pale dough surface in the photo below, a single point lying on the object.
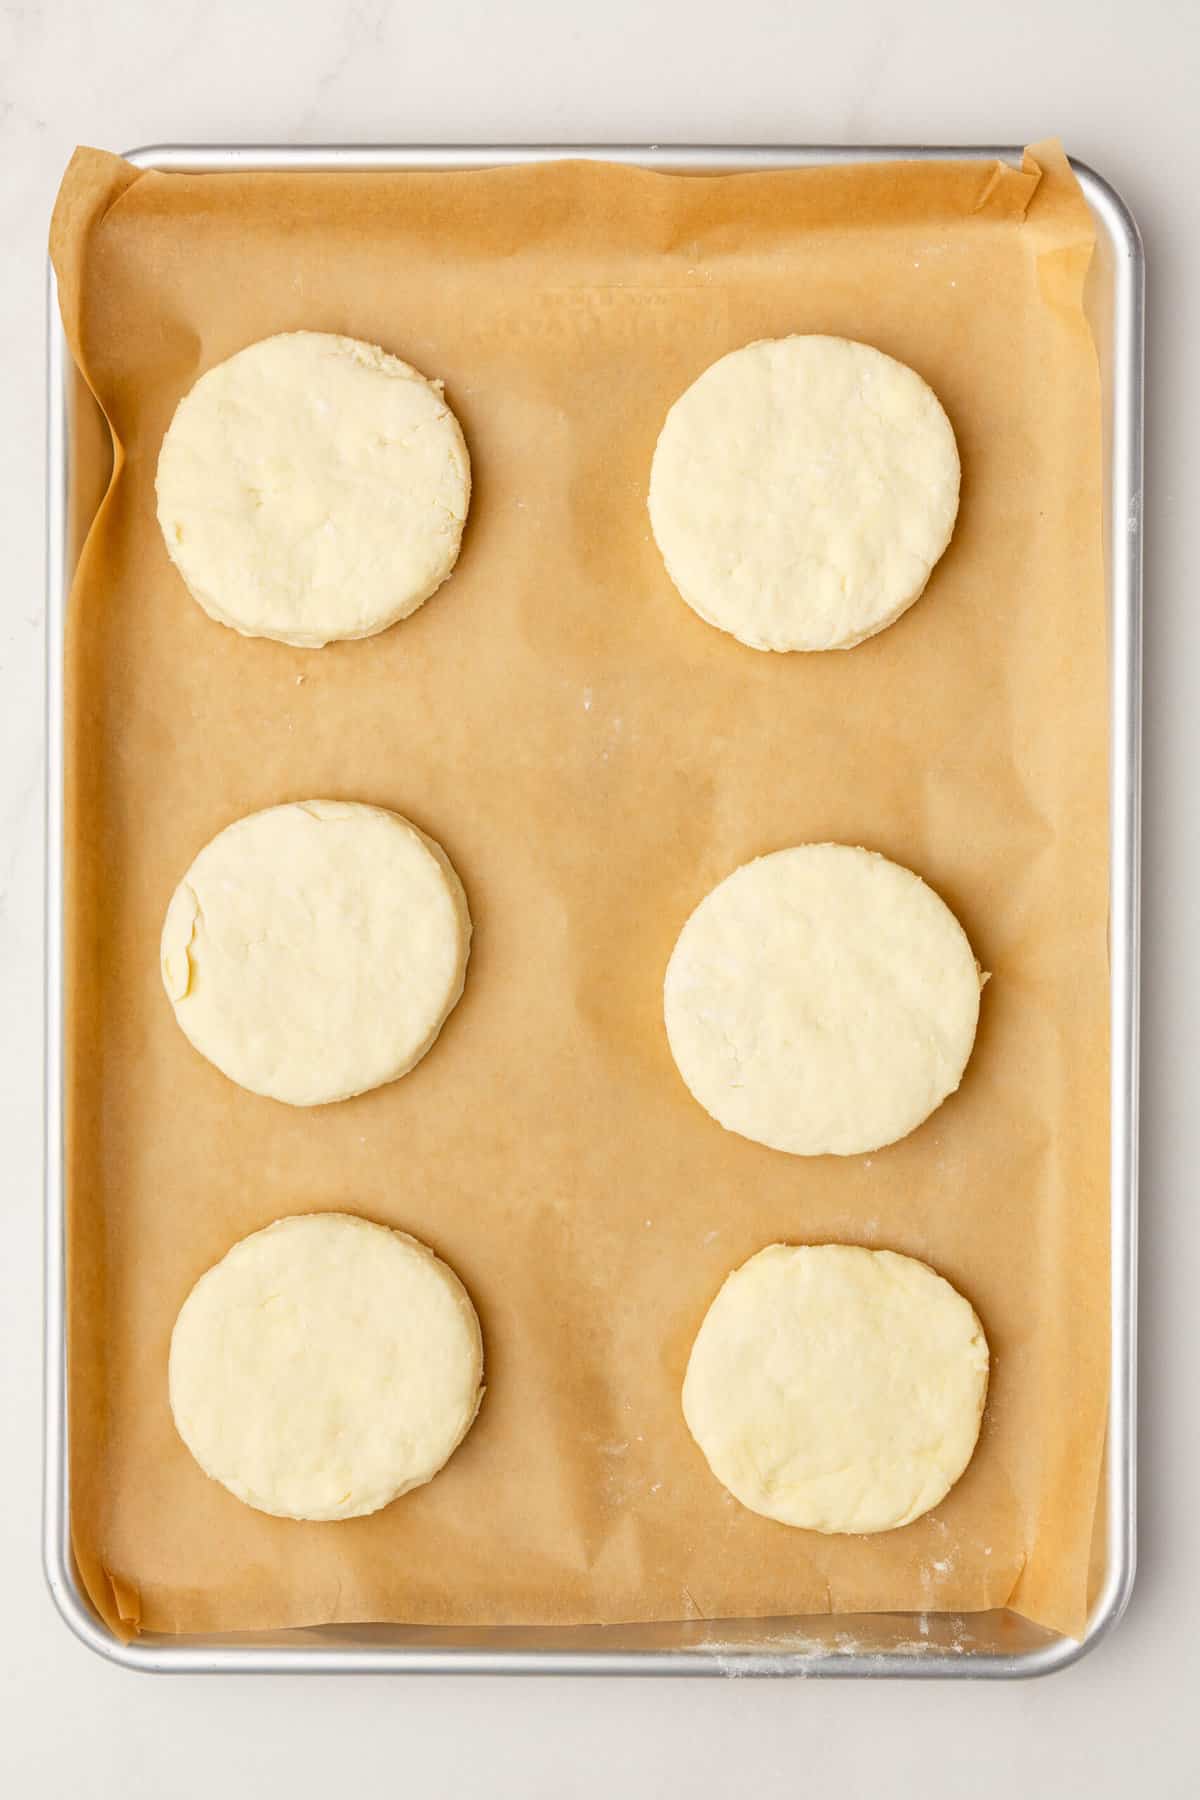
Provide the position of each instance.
(802, 490)
(837, 1388)
(314, 950)
(312, 488)
(822, 1000)
(325, 1366)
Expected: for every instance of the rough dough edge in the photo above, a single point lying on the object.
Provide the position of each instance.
(403, 371)
(849, 643)
(865, 1250)
(458, 898)
(460, 1295)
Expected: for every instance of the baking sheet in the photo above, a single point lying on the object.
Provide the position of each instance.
(594, 758)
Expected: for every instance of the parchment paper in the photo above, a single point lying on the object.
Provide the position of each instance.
(594, 758)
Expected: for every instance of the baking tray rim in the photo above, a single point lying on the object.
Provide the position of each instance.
(1125, 377)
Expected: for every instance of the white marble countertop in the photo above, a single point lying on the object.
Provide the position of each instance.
(1117, 80)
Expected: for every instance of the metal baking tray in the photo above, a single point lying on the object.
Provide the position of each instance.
(994, 1644)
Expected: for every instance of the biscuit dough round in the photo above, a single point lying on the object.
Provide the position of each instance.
(314, 950)
(837, 1388)
(313, 488)
(822, 1000)
(802, 490)
(325, 1366)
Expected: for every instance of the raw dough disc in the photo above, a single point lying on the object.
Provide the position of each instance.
(837, 1388)
(802, 490)
(822, 1000)
(313, 488)
(315, 950)
(324, 1366)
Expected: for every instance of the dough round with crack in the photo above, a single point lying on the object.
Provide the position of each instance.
(325, 1366)
(313, 488)
(315, 950)
(802, 490)
(837, 1388)
(822, 1000)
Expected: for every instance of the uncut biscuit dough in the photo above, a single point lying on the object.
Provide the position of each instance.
(325, 1366)
(801, 491)
(313, 488)
(836, 1388)
(821, 1000)
(314, 950)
